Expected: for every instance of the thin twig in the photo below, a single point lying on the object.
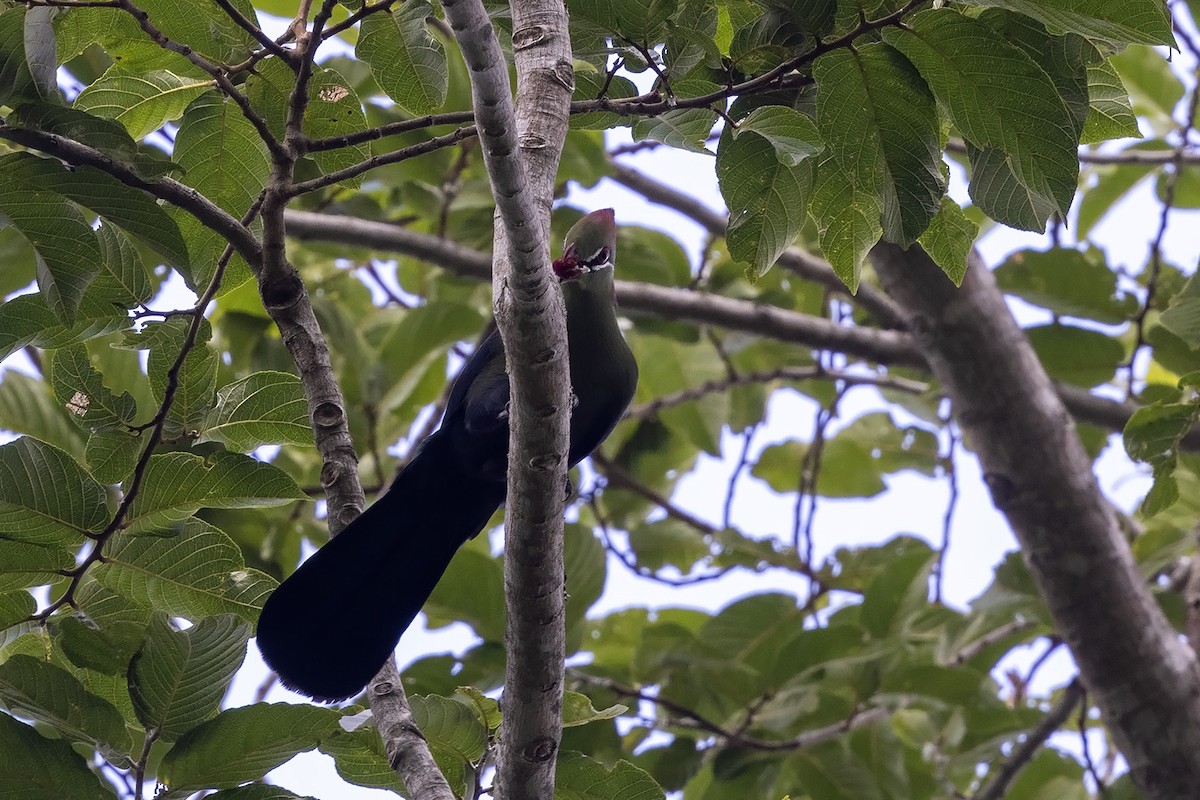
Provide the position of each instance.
(693, 719)
(1033, 742)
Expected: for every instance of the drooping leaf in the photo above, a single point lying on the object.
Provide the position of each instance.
(883, 132)
(197, 573)
(178, 678)
(130, 209)
(949, 238)
(406, 60)
(40, 767)
(244, 744)
(48, 693)
(1110, 115)
(224, 158)
(177, 484)
(582, 778)
(80, 388)
(766, 197)
(998, 97)
(141, 101)
(46, 498)
(848, 221)
(263, 408)
(1066, 282)
(26, 406)
(1138, 22)
(685, 128)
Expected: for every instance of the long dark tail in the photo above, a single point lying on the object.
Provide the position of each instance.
(330, 626)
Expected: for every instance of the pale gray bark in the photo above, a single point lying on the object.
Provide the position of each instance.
(1143, 677)
(521, 151)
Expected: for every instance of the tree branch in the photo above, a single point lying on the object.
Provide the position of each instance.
(1033, 742)
(521, 151)
(883, 347)
(795, 260)
(1041, 479)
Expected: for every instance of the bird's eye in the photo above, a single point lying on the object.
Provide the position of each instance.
(599, 258)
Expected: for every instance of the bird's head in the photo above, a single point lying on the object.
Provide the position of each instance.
(590, 249)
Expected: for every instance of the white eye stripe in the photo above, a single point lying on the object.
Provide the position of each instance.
(597, 258)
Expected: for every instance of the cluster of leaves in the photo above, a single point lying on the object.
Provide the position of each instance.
(852, 131)
(129, 503)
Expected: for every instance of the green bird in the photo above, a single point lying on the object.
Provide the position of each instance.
(329, 627)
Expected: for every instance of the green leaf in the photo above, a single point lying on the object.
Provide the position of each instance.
(685, 128)
(360, 758)
(68, 252)
(38, 768)
(848, 221)
(640, 20)
(582, 778)
(847, 468)
(15, 607)
(1135, 21)
(195, 381)
(588, 86)
(196, 573)
(105, 135)
(81, 390)
(243, 744)
(27, 407)
(112, 455)
(471, 591)
(257, 791)
(1066, 282)
(19, 258)
(1076, 355)
(578, 710)
(678, 367)
(1153, 85)
(106, 649)
(333, 110)
(204, 27)
(883, 132)
(766, 196)
(1153, 432)
(45, 496)
(123, 279)
(40, 53)
(792, 134)
(25, 564)
(28, 320)
(1182, 317)
(586, 566)
(668, 542)
(407, 61)
(48, 693)
(225, 159)
(264, 408)
(998, 191)
(998, 97)
(16, 80)
(898, 593)
(450, 726)
(833, 772)
(130, 209)
(948, 240)
(178, 678)
(1110, 115)
(141, 101)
